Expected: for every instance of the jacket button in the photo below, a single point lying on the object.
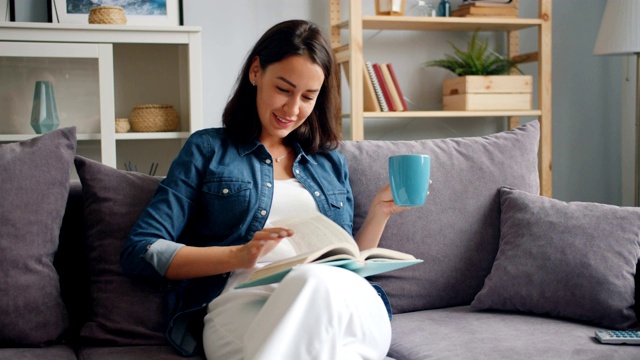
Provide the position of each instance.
(268, 161)
(263, 212)
(297, 171)
(316, 193)
(225, 191)
(269, 185)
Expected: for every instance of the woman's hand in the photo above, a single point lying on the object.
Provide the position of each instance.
(262, 243)
(381, 209)
(383, 201)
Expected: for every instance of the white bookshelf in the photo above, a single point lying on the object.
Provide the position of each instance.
(99, 72)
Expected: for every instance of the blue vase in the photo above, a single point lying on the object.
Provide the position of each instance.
(44, 113)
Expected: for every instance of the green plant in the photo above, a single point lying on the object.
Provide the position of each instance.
(477, 60)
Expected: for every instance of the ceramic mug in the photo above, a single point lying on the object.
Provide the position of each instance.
(409, 179)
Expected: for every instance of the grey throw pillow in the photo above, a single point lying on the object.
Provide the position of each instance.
(125, 311)
(34, 185)
(457, 231)
(571, 260)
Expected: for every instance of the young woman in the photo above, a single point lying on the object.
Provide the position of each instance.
(207, 226)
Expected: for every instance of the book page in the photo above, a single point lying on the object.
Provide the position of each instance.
(315, 232)
(381, 254)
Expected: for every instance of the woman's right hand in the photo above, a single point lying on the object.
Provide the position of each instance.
(262, 243)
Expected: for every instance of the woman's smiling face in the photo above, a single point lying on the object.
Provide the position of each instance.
(286, 94)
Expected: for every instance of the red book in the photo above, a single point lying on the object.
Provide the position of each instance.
(383, 87)
(395, 82)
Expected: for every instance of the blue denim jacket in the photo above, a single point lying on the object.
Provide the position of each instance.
(219, 193)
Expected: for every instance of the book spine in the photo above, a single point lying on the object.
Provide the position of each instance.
(486, 11)
(376, 86)
(392, 87)
(397, 85)
(383, 87)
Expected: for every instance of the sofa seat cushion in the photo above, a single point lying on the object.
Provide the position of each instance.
(132, 353)
(461, 333)
(457, 231)
(34, 185)
(57, 352)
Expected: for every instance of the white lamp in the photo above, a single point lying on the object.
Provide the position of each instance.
(620, 35)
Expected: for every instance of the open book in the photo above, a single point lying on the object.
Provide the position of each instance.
(317, 239)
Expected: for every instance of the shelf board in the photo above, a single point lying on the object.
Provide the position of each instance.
(152, 135)
(446, 114)
(96, 136)
(423, 23)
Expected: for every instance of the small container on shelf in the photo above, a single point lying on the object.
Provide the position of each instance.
(390, 7)
(122, 125)
(113, 15)
(154, 118)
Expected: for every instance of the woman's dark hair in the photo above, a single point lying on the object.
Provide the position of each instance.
(294, 37)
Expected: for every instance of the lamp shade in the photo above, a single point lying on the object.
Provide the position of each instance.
(620, 29)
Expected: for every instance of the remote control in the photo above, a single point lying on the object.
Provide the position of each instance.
(631, 337)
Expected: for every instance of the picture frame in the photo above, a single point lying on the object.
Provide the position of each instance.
(153, 13)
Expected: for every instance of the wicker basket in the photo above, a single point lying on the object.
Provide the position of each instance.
(122, 125)
(113, 15)
(153, 118)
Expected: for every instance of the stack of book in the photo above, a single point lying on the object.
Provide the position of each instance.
(486, 9)
(381, 89)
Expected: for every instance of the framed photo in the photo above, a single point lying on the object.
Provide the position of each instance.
(138, 12)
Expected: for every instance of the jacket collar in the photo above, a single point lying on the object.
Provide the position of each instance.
(251, 146)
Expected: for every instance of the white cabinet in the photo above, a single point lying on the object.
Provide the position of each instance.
(99, 73)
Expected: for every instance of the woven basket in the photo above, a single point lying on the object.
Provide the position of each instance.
(153, 118)
(113, 15)
(122, 125)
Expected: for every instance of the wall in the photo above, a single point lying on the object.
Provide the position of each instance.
(586, 89)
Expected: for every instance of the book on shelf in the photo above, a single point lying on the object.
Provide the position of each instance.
(369, 93)
(369, 98)
(397, 85)
(488, 3)
(394, 88)
(510, 11)
(376, 86)
(493, 4)
(383, 87)
(317, 239)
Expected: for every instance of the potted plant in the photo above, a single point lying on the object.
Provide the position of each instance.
(484, 81)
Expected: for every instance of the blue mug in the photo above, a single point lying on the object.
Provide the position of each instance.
(409, 179)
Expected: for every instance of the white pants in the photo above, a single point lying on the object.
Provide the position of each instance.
(316, 312)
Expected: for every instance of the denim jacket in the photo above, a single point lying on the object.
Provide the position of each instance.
(219, 193)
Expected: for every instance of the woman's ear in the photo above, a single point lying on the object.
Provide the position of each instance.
(254, 70)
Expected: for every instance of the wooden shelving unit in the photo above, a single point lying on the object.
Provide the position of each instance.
(350, 55)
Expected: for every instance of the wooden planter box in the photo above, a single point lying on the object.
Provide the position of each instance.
(495, 92)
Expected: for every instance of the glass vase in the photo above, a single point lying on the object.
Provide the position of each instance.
(44, 113)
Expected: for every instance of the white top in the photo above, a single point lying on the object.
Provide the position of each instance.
(290, 198)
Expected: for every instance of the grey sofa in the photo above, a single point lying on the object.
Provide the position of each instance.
(507, 274)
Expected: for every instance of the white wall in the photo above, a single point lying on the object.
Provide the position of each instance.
(587, 90)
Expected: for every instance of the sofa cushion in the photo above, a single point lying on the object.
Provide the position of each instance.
(571, 260)
(158, 352)
(125, 311)
(456, 233)
(34, 184)
(57, 352)
(461, 333)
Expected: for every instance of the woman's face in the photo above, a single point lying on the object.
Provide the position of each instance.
(287, 93)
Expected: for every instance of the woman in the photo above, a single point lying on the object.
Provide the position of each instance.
(207, 226)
